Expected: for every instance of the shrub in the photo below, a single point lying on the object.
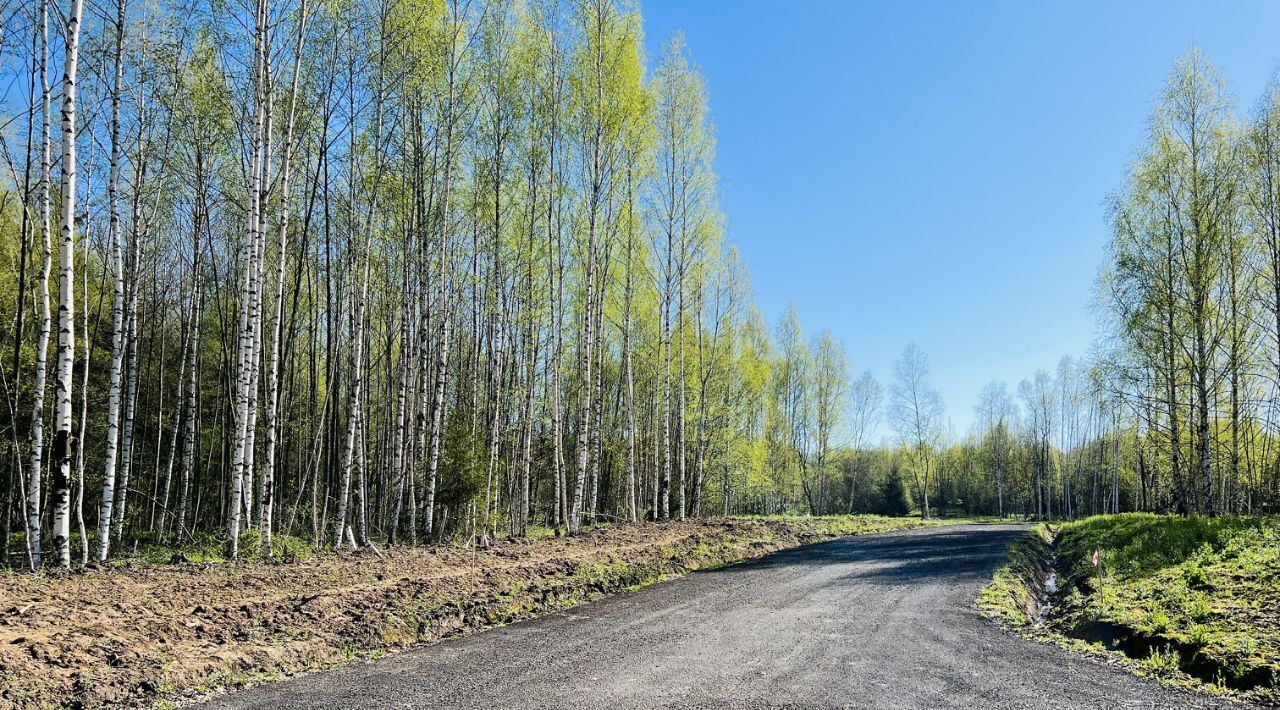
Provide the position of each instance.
(1197, 607)
(1163, 664)
(1157, 621)
(1194, 575)
(1198, 635)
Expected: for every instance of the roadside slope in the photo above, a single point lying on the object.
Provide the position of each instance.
(136, 634)
(1191, 601)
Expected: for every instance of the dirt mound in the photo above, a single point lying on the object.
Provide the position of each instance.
(134, 635)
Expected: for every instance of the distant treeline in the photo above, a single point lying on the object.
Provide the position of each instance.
(1178, 408)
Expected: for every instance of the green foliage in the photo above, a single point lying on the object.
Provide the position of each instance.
(1208, 585)
(1197, 607)
(893, 495)
(211, 548)
(1198, 635)
(1163, 663)
(843, 525)
(1137, 544)
(1157, 621)
(1012, 595)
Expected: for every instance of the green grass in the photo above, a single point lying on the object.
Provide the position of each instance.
(1012, 592)
(1195, 601)
(1163, 663)
(1140, 544)
(1210, 586)
(206, 548)
(149, 548)
(211, 547)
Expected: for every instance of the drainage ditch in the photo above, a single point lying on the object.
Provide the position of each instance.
(1051, 591)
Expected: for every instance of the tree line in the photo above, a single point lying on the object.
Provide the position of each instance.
(1192, 298)
(417, 271)
(1177, 407)
(365, 274)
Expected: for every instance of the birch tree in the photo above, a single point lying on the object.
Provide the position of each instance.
(66, 302)
(915, 412)
(34, 482)
(118, 334)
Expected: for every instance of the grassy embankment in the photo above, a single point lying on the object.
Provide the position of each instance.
(143, 632)
(1192, 601)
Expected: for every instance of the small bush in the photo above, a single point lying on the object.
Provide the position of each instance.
(1197, 607)
(1194, 575)
(1157, 621)
(1163, 664)
(1198, 635)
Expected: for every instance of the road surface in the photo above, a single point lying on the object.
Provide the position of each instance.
(881, 621)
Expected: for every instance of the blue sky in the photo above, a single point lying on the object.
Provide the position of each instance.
(935, 171)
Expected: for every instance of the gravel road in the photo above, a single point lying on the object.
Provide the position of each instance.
(880, 621)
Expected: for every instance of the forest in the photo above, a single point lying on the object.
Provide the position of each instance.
(402, 272)
(341, 274)
(1175, 408)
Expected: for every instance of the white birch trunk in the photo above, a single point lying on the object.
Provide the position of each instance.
(193, 377)
(664, 486)
(585, 358)
(266, 493)
(355, 420)
(255, 354)
(400, 441)
(682, 481)
(84, 373)
(130, 405)
(35, 482)
(627, 366)
(248, 289)
(117, 304)
(444, 300)
(66, 305)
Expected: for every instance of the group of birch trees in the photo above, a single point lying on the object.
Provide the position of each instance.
(1192, 289)
(369, 273)
(1178, 410)
(1060, 444)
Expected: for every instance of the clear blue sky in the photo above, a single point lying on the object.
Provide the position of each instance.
(935, 171)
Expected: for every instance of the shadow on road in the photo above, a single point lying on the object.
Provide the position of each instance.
(963, 554)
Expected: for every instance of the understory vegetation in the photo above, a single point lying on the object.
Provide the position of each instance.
(1013, 596)
(1193, 600)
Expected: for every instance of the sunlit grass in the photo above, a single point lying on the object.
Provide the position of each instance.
(1210, 584)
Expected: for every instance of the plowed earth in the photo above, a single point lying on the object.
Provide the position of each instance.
(141, 635)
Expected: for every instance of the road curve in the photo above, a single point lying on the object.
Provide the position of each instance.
(880, 621)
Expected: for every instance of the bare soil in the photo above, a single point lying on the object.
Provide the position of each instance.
(161, 634)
